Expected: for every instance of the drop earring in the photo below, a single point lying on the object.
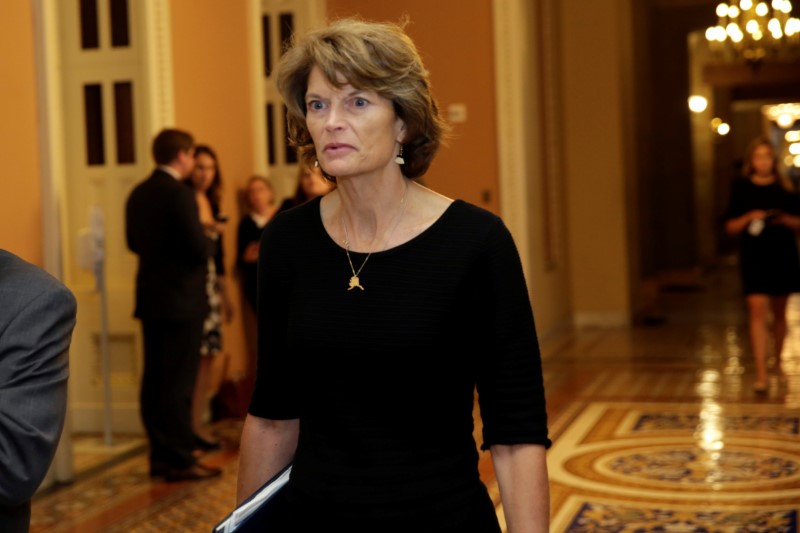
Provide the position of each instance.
(399, 159)
(316, 163)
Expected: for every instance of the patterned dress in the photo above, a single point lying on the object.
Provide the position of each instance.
(212, 326)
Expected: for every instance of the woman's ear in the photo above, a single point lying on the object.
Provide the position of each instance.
(401, 131)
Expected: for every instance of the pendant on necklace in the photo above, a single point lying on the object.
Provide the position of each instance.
(354, 283)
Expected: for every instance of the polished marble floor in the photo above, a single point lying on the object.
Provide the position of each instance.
(656, 428)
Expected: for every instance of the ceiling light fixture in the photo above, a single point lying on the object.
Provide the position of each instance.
(752, 31)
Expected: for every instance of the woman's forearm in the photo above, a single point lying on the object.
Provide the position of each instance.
(521, 471)
(266, 447)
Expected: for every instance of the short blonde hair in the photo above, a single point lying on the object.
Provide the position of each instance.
(256, 178)
(371, 56)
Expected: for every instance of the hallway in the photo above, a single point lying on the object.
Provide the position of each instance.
(655, 428)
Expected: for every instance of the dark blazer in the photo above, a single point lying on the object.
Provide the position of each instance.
(163, 228)
(247, 233)
(37, 316)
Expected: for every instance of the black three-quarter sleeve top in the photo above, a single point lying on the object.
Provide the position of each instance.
(383, 379)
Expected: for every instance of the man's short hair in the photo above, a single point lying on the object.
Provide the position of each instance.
(168, 143)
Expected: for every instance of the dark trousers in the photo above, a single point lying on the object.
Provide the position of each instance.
(15, 518)
(171, 358)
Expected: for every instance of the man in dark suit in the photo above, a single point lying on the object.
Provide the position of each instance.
(37, 316)
(163, 228)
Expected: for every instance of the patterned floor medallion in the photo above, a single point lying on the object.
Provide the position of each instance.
(601, 516)
(638, 467)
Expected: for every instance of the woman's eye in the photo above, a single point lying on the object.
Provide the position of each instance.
(360, 102)
(315, 104)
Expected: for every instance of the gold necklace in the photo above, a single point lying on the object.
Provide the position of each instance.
(354, 280)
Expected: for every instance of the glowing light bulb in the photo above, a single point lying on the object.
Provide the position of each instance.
(762, 9)
(697, 103)
(744, 5)
(722, 10)
(724, 129)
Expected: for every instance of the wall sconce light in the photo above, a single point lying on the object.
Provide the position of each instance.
(697, 104)
(720, 127)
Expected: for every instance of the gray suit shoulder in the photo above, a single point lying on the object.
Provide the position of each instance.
(20, 279)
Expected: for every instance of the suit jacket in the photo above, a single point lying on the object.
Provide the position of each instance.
(163, 228)
(37, 316)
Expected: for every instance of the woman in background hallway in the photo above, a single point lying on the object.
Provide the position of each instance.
(764, 212)
(207, 183)
(310, 184)
(388, 304)
(260, 205)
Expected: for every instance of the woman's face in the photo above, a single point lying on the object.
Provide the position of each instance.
(763, 160)
(314, 183)
(259, 195)
(355, 131)
(203, 174)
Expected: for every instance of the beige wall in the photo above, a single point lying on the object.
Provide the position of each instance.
(543, 126)
(20, 187)
(595, 159)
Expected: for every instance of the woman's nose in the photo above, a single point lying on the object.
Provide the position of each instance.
(334, 118)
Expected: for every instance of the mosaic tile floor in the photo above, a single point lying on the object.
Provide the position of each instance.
(655, 429)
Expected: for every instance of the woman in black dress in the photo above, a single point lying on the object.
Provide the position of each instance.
(261, 208)
(260, 200)
(764, 211)
(384, 307)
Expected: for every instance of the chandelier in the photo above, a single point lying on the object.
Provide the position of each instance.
(784, 115)
(753, 31)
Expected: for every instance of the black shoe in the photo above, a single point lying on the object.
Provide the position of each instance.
(206, 445)
(159, 469)
(194, 472)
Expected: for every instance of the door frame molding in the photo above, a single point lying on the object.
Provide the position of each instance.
(158, 101)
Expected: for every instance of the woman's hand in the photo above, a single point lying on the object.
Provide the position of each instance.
(216, 227)
(250, 254)
(226, 307)
(737, 225)
(790, 221)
